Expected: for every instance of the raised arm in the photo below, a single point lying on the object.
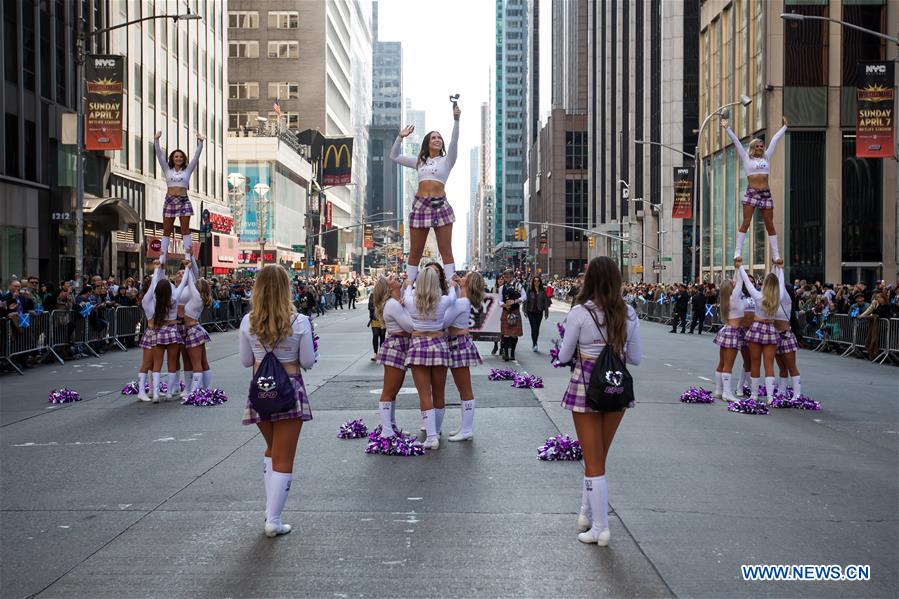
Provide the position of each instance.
(402, 159)
(160, 157)
(771, 146)
(194, 268)
(193, 161)
(148, 302)
(306, 351)
(738, 145)
(176, 294)
(747, 282)
(452, 151)
(398, 313)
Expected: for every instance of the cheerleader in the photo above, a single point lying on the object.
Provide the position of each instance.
(199, 296)
(177, 172)
(393, 351)
(167, 337)
(462, 352)
(427, 355)
(148, 338)
(745, 323)
(787, 345)
(273, 325)
(762, 335)
(731, 336)
(430, 208)
(598, 318)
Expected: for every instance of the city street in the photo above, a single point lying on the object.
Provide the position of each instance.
(110, 497)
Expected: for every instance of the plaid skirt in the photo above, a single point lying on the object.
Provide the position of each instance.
(427, 351)
(195, 336)
(762, 333)
(729, 337)
(393, 351)
(787, 342)
(575, 397)
(508, 330)
(758, 198)
(301, 410)
(462, 352)
(148, 339)
(168, 334)
(176, 206)
(430, 212)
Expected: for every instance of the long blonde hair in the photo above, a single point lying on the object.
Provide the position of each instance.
(427, 292)
(205, 292)
(379, 296)
(272, 308)
(475, 289)
(724, 291)
(770, 293)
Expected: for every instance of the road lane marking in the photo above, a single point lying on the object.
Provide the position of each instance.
(705, 379)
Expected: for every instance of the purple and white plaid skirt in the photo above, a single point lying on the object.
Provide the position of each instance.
(176, 206)
(758, 198)
(431, 212)
(762, 333)
(195, 336)
(427, 351)
(729, 337)
(393, 351)
(575, 397)
(462, 352)
(168, 334)
(301, 410)
(148, 339)
(787, 342)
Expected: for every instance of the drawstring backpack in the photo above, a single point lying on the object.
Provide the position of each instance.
(611, 387)
(271, 390)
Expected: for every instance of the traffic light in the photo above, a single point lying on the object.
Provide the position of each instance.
(591, 242)
(517, 233)
(524, 233)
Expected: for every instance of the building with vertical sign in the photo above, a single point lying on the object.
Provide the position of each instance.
(835, 213)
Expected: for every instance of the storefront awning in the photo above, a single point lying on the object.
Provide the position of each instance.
(118, 206)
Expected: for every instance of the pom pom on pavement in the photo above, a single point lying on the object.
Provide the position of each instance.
(502, 374)
(527, 381)
(205, 396)
(762, 391)
(748, 406)
(131, 388)
(399, 445)
(64, 395)
(787, 400)
(694, 395)
(352, 429)
(560, 448)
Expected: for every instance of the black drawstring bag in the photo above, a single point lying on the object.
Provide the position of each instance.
(611, 387)
(271, 390)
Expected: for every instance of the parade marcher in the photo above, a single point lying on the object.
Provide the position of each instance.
(273, 327)
(730, 337)
(148, 337)
(199, 296)
(168, 339)
(462, 352)
(512, 295)
(430, 208)
(787, 344)
(681, 300)
(536, 306)
(758, 193)
(177, 172)
(338, 296)
(745, 323)
(599, 318)
(378, 332)
(698, 302)
(762, 335)
(351, 292)
(393, 351)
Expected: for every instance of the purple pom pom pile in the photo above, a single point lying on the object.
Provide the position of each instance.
(747, 391)
(352, 429)
(502, 374)
(527, 381)
(131, 388)
(64, 395)
(401, 445)
(803, 402)
(204, 396)
(694, 395)
(560, 448)
(376, 433)
(748, 406)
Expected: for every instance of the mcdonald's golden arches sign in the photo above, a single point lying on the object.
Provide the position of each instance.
(337, 161)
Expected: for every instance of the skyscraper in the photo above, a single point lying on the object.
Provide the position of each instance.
(473, 232)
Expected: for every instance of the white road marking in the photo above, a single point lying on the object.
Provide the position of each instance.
(402, 391)
(55, 443)
(705, 379)
(396, 563)
(414, 498)
(63, 526)
(164, 439)
(668, 365)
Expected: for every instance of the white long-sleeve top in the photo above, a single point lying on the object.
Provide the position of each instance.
(757, 295)
(736, 309)
(175, 177)
(148, 303)
(517, 286)
(193, 301)
(433, 169)
(459, 314)
(756, 166)
(786, 302)
(428, 323)
(396, 318)
(580, 330)
(296, 347)
(748, 304)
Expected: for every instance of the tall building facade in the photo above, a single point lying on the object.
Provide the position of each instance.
(485, 202)
(835, 214)
(474, 225)
(411, 146)
(174, 80)
(642, 56)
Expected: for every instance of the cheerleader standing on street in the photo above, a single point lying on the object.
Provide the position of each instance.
(378, 333)
(731, 336)
(199, 296)
(462, 352)
(762, 335)
(745, 323)
(273, 325)
(598, 318)
(167, 338)
(177, 172)
(758, 193)
(148, 338)
(430, 208)
(393, 351)
(787, 345)
(428, 351)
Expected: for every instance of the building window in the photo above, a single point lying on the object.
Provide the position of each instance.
(248, 49)
(243, 19)
(806, 191)
(862, 206)
(288, 19)
(291, 118)
(139, 154)
(284, 90)
(247, 120)
(284, 49)
(151, 164)
(243, 90)
(575, 208)
(575, 150)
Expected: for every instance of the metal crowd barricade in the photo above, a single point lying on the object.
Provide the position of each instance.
(104, 335)
(36, 337)
(883, 340)
(859, 330)
(894, 339)
(838, 332)
(4, 340)
(128, 324)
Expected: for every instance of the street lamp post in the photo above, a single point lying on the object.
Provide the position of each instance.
(626, 194)
(362, 222)
(262, 214)
(792, 16)
(80, 55)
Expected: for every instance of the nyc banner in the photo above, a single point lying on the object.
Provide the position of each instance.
(874, 121)
(683, 192)
(337, 161)
(104, 77)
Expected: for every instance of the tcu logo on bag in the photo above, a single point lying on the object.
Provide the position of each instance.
(267, 384)
(614, 381)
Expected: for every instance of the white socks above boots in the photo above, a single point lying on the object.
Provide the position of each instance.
(188, 242)
(754, 387)
(174, 385)
(769, 388)
(142, 386)
(155, 378)
(449, 270)
(385, 409)
(741, 237)
(718, 385)
(466, 431)
(278, 486)
(165, 249)
(207, 379)
(429, 418)
(797, 386)
(775, 253)
(411, 272)
(598, 498)
(439, 415)
(196, 381)
(727, 392)
(583, 519)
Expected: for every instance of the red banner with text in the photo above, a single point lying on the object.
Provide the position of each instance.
(104, 77)
(874, 121)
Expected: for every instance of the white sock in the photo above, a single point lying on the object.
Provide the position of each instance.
(165, 248)
(439, 414)
(207, 379)
(775, 253)
(188, 242)
(717, 382)
(155, 389)
(598, 496)
(449, 270)
(726, 389)
(172, 381)
(141, 383)
(585, 500)
(411, 272)
(745, 380)
(797, 386)
(467, 416)
(197, 381)
(392, 413)
(741, 237)
(267, 476)
(386, 425)
(769, 387)
(430, 421)
(278, 488)
(754, 387)
(187, 377)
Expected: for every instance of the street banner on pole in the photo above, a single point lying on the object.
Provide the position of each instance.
(683, 192)
(104, 77)
(368, 237)
(329, 214)
(874, 126)
(337, 161)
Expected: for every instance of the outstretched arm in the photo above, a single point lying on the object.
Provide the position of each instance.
(738, 146)
(193, 161)
(160, 157)
(771, 146)
(749, 286)
(402, 159)
(452, 151)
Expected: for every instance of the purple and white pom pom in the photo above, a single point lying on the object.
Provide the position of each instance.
(376, 433)
(130, 388)
(205, 396)
(803, 402)
(560, 448)
(694, 395)
(502, 374)
(527, 381)
(399, 445)
(64, 395)
(748, 406)
(747, 391)
(352, 429)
